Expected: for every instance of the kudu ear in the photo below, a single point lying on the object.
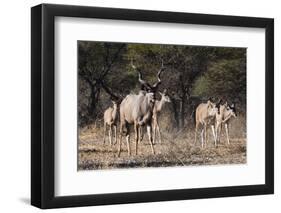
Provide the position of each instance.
(211, 99)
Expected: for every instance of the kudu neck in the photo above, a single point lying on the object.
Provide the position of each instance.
(225, 114)
(160, 104)
(114, 108)
(150, 100)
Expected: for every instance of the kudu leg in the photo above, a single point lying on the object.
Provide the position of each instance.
(141, 134)
(128, 139)
(104, 132)
(154, 133)
(119, 144)
(140, 128)
(128, 144)
(115, 134)
(136, 128)
(120, 141)
(205, 134)
(195, 137)
(219, 133)
(150, 139)
(214, 134)
(202, 138)
(110, 135)
(226, 131)
(159, 134)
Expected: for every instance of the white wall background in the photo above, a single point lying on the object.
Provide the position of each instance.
(15, 104)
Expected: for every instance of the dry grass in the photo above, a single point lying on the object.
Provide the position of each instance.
(177, 149)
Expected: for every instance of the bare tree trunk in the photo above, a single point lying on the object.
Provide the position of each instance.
(175, 111)
(190, 109)
(95, 93)
(182, 113)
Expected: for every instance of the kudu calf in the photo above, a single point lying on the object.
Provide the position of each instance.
(223, 116)
(137, 110)
(110, 119)
(205, 113)
(157, 109)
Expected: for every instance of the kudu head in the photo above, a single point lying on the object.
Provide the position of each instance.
(114, 102)
(212, 109)
(145, 86)
(231, 110)
(164, 96)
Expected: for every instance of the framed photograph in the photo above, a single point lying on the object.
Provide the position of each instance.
(140, 106)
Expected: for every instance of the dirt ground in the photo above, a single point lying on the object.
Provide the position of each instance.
(176, 149)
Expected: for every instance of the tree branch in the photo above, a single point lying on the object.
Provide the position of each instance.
(109, 92)
(112, 62)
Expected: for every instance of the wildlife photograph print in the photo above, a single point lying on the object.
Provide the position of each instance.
(160, 105)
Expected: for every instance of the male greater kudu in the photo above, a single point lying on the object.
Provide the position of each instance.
(137, 110)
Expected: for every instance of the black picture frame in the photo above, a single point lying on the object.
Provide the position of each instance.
(43, 102)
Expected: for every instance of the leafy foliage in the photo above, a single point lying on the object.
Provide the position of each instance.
(225, 79)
